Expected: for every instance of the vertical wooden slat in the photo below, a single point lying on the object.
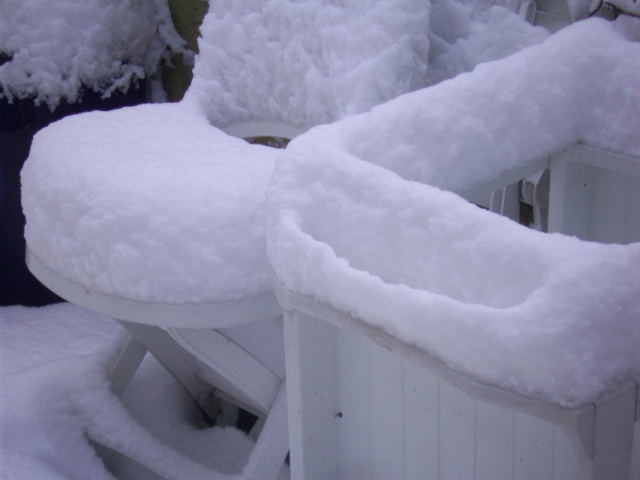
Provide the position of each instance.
(311, 347)
(533, 448)
(353, 408)
(420, 422)
(632, 217)
(571, 195)
(608, 207)
(494, 437)
(457, 433)
(565, 460)
(614, 436)
(386, 415)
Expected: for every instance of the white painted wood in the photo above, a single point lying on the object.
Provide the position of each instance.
(181, 364)
(257, 385)
(203, 315)
(230, 367)
(608, 207)
(614, 436)
(533, 448)
(421, 422)
(565, 461)
(553, 15)
(570, 196)
(632, 215)
(487, 186)
(268, 455)
(311, 377)
(635, 453)
(126, 365)
(386, 415)
(457, 433)
(495, 430)
(595, 195)
(354, 417)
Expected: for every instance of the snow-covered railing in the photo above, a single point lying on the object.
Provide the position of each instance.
(429, 338)
(369, 399)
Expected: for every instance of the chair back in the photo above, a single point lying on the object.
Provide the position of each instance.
(303, 63)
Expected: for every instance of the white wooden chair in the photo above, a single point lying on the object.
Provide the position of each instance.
(148, 234)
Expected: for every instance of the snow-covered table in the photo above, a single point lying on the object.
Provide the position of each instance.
(428, 338)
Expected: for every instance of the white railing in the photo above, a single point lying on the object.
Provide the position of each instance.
(363, 404)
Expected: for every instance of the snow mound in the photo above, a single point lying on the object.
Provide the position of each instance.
(113, 205)
(154, 204)
(465, 33)
(307, 62)
(580, 84)
(56, 49)
(469, 287)
(54, 392)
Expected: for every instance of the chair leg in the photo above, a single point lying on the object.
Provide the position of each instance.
(271, 449)
(126, 365)
(181, 364)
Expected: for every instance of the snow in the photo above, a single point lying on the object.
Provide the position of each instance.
(463, 34)
(54, 391)
(159, 235)
(477, 125)
(171, 209)
(193, 202)
(356, 221)
(301, 63)
(207, 211)
(56, 48)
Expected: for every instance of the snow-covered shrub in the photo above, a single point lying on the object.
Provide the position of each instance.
(55, 48)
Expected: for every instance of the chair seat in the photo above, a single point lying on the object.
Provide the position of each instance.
(149, 204)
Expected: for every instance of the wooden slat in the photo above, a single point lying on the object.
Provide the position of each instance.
(533, 448)
(632, 211)
(457, 433)
(386, 391)
(494, 441)
(354, 411)
(420, 422)
(565, 462)
(229, 367)
(311, 379)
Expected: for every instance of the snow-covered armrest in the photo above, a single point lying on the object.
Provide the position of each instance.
(423, 265)
(149, 203)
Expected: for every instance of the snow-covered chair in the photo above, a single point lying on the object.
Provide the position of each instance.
(428, 338)
(155, 215)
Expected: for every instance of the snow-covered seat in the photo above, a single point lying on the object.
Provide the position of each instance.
(155, 214)
(463, 344)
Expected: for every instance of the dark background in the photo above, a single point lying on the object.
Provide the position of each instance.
(20, 120)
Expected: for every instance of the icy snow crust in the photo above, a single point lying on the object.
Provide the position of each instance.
(57, 47)
(318, 60)
(468, 287)
(114, 206)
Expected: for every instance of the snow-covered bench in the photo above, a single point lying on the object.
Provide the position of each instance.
(428, 338)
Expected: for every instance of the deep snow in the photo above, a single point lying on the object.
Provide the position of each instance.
(54, 360)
